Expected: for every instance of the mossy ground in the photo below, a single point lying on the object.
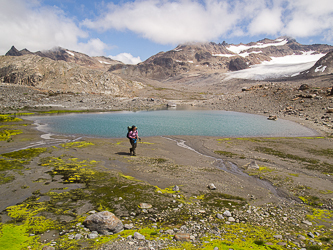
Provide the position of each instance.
(86, 181)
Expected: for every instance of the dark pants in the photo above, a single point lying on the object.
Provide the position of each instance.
(132, 149)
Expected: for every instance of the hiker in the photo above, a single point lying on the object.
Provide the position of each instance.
(133, 136)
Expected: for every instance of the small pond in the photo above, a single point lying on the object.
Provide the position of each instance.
(169, 122)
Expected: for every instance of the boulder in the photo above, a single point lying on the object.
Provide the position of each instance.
(304, 87)
(227, 213)
(182, 237)
(252, 165)
(329, 110)
(211, 186)
(138, 236)
(104, 223)
(272, 117)
(145, 205)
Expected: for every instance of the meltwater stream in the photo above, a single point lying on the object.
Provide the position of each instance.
(230, 168)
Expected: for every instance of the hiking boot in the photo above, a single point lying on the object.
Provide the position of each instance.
(131, 151)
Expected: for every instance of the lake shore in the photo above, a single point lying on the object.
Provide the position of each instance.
(276, 180)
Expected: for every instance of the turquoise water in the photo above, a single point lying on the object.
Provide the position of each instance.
(170, 122)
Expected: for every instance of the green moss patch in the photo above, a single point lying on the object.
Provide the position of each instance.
(6, 178)
(27, 154)
(78, 144)
(14, 237)
(6, 135)
(62, 111)
(225, 153)
(9, 118)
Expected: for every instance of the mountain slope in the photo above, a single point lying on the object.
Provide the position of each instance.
(58, 75)
(61, 54)
(324, 66)
(211, 58)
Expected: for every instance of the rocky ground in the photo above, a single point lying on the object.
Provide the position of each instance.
(267, 193)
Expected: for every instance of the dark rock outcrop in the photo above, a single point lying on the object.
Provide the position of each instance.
(237, 64)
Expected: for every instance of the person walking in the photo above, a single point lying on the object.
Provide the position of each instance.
(133, 136)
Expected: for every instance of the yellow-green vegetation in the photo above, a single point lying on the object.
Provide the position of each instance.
(328, 152)
(17, 159)
(225, 153)
(15, 237)
(23, 114)
(265, 169)
(147, 143)
(320, 215)
(6, 178)
(311, 200)
(128, 177)
(326, 191)
(62, 111)
(220, 200)
(72, 169)
(6, 135)
(310, 163)
(238, 237)
(165, 190)
(27, 154)
(78, 144)
(9, 118)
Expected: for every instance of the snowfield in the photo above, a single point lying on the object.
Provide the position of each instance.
(240, 48)
(286, 66)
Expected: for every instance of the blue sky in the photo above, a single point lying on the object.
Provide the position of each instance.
(132, 31)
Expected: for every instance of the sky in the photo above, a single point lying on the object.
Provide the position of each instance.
(132, 31)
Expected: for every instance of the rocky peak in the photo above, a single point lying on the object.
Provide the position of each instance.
(13, 52)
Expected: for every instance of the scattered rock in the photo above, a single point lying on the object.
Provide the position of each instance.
(304, 87)
(92, 236)
(128, 226)
(182, 237)
(220, 216)
(227, 213)
(48, 248)
(306, 222)
(211, 186)
(103, 222)
(231, 219)
(279, 237)
(138, 236)
(145, 205)
(252, 165)
(272, 117)
(310, 235)
(78, 236)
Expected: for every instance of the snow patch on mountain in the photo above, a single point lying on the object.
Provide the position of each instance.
(224, 55)
(320, 68)
(72, 54)
(285, 66)
(238, 49)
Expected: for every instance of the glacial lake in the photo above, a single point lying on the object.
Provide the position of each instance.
(169, 122)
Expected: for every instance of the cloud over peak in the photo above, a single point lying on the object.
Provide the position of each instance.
(172, 22)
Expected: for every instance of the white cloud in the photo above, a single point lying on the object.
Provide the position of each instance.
(26, 24)
(172, 22)
(309, 18)
(168, 22)
(266, 22)
(126, 58)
